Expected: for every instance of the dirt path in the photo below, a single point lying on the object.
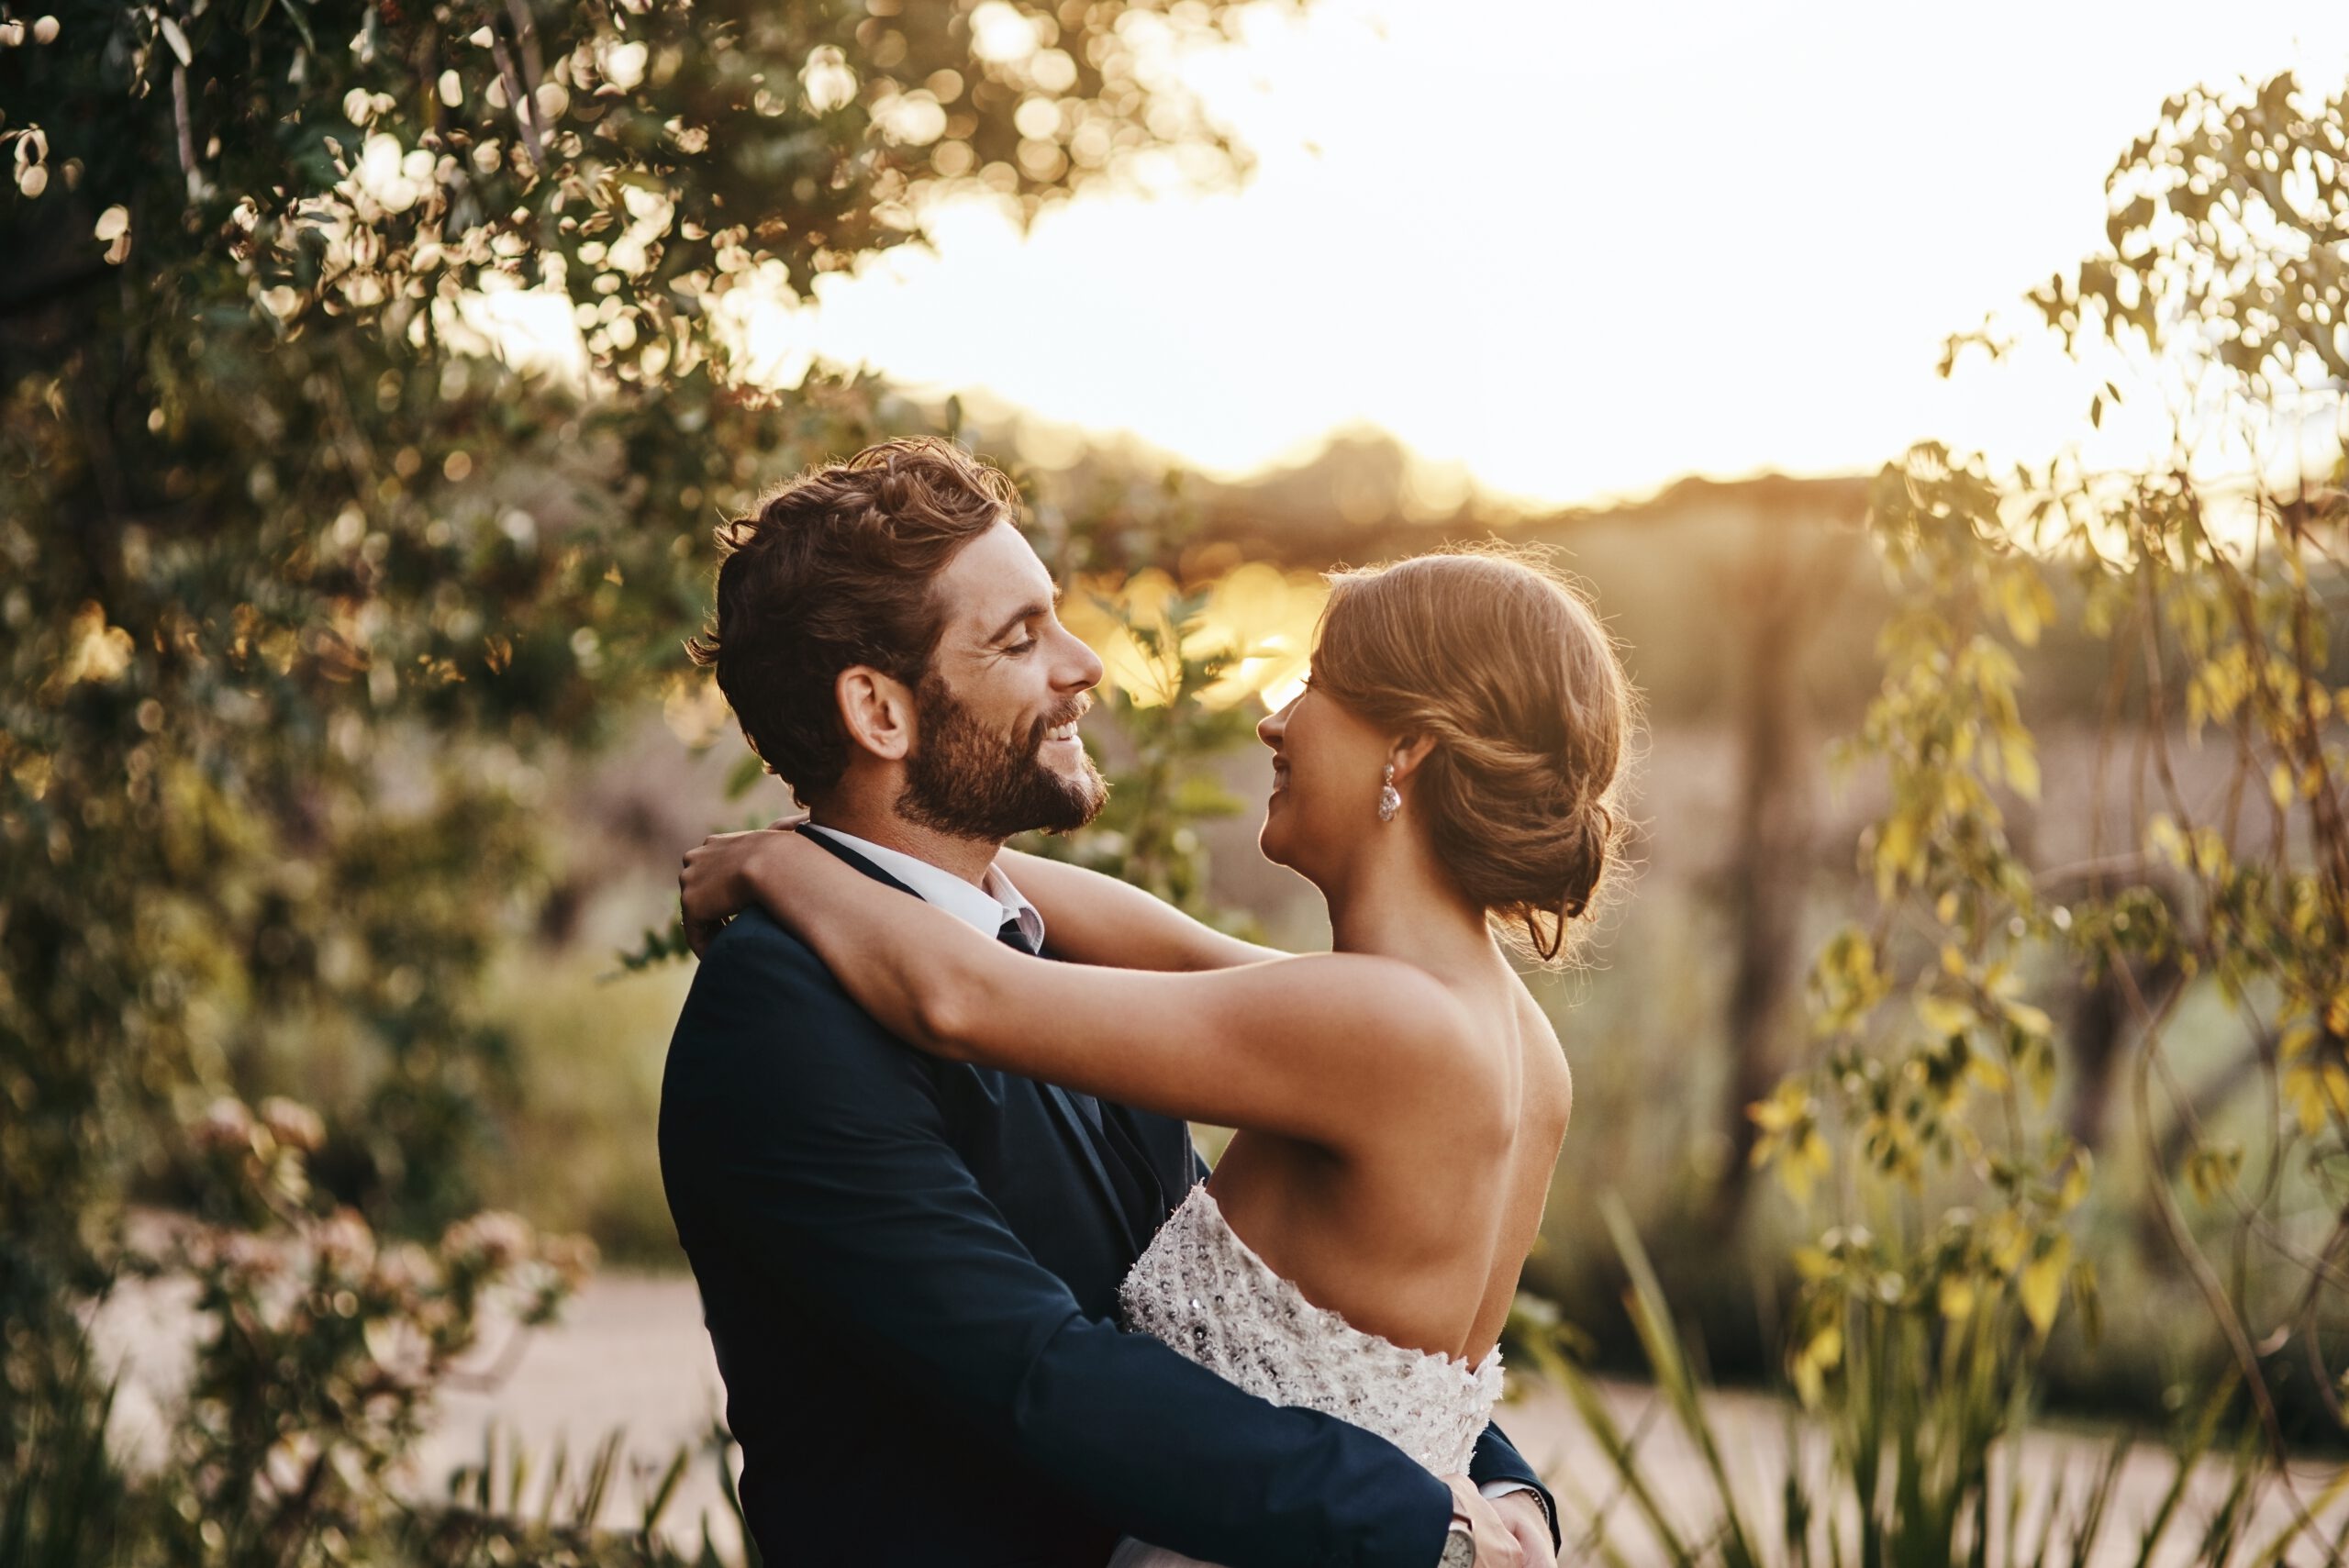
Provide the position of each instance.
(631, 1354)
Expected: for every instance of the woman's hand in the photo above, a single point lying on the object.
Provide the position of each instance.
(715, 885)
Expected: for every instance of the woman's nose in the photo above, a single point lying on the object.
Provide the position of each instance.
(1270, 727)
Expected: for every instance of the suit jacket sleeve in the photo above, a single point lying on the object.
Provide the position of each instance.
(1497, 1459)
(800, 1135)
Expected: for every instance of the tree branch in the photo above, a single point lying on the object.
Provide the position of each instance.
(196, 186)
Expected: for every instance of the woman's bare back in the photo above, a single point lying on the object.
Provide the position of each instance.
(1416, 1235)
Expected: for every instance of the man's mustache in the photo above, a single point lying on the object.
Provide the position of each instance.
(1053, 721)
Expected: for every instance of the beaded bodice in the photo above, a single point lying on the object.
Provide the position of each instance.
(1201, 1289)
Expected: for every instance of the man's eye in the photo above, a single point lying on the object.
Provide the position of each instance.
(1021, 647)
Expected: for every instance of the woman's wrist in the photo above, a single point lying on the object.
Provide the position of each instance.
(756, 878)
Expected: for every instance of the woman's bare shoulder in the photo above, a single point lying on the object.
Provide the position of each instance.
(1405, 1014)
(1549, 1076)
(1391, 996)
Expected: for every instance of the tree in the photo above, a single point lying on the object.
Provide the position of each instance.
(1924, 1122)
(2219, 602)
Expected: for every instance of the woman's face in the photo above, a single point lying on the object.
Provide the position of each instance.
(1327, 768)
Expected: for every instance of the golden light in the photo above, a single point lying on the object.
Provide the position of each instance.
(532, 329)
(1259, 617)
(1286, 691)
(1785, 324)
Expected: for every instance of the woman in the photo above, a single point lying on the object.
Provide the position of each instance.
(1448, 777)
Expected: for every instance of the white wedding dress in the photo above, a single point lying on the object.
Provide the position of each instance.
(1202, 1290)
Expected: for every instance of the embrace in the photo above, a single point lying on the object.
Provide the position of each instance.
(974, 1295)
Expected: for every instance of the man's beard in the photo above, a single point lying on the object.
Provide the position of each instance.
(964, 780)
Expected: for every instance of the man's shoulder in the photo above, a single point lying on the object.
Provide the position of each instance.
(750, 965)
(762, 1010)
(753, 937)
(757, 978)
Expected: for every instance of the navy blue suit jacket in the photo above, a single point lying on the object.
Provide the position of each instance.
(910, 1271)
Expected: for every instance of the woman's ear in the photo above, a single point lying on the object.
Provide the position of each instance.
(1408, 753)
(877, 711)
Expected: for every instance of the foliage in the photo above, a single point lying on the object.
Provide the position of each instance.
(494, 1519)
(1917, 1337)
(61, 1501)
(1931, 1510)
(318, 1351)
(1922, 1335)
(324, 1345)
(1145, 833)
(2238, 598)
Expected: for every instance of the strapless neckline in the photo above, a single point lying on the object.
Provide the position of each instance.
(1279, 1282)
(1203, 1290)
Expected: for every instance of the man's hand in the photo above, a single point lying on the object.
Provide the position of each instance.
(1527, 1520)
(1496, 1542)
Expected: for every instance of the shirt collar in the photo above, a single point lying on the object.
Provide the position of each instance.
(984, 908)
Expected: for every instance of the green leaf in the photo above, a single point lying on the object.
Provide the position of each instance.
(2041, 1285)
(1946, 1016)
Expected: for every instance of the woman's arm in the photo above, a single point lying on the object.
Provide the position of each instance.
(1319, 1048)
(818, 1163)
(1093, 919)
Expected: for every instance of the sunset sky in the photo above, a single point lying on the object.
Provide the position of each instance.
(1576, 252)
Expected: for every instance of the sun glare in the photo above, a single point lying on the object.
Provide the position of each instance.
(1257, 618)
(1719, 240)
(1639, 247)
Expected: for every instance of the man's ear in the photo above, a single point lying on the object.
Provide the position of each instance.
(878, 710)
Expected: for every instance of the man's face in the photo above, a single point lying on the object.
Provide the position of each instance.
(995, 751)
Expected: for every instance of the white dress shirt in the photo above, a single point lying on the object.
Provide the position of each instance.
(982, 908)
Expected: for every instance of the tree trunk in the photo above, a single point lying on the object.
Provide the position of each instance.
(1786, 593)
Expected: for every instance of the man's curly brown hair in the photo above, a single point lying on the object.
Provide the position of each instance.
(836, 569)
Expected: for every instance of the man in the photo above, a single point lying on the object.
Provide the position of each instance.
(909, 1266)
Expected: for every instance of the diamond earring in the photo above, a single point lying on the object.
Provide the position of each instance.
(1389, 802)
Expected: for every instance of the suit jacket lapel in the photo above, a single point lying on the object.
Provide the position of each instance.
(1088, 1142)
(1088, 1149)
(1073, 1122)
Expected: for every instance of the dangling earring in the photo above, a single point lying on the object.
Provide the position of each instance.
(1389, 802)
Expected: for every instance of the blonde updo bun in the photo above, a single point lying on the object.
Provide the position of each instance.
(1502, 661)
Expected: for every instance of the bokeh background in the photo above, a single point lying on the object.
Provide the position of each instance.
(1945, 414)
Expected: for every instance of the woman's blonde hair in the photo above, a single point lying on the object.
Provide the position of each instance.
(1502, 661)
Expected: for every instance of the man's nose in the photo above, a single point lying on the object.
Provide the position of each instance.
(1083, 670)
